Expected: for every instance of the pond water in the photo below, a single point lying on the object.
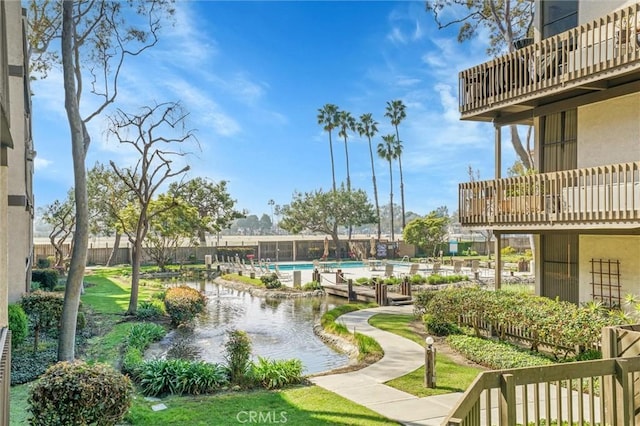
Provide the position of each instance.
(278, 328)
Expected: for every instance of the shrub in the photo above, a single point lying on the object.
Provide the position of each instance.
(507, 251)
(420, 301)
(276, 374)
(76, 393)
(183, 304)
(18, 324)
(495, 355)
(238, 356)
(311, 286)
(417, 279)
(44, 308)
(150, 310)
(271, 281)
(438, 326)
(43, 263)
(48, 278)
(176, 376)
(139, 338)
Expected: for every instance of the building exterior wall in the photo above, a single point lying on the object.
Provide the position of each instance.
(624, 248)
(16, 213)
(609, 131)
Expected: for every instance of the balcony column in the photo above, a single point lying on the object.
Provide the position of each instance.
(498, 267)
(498, 150)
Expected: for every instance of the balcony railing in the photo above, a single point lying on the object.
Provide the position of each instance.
(5, 374)
(570, 59)
(574, 392)
(608, 193)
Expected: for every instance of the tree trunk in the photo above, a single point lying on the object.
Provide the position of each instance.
(202, 237)
(375, 189)
(114, 250)
(523, 155)
(79, 144)
(135, 277)
(401, 192)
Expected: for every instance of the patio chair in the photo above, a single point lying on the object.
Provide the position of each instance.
(457, 266)
(284, 276)
(413, 270)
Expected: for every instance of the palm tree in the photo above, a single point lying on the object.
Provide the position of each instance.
(367, 126)
(328, 118)
(395, 111)
(386, 151)
(346, 122)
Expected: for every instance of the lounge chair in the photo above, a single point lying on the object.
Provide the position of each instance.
(413, 270)
(285, 276)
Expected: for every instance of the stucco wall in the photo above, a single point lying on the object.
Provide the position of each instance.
(625, 248)
(590, 10)
(615, 122)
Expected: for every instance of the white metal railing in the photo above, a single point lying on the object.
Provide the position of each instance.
(582, 53)
(595, 194)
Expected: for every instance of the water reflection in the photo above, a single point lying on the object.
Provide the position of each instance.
(278, 328)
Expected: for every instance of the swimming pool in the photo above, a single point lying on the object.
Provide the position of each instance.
(309, 265)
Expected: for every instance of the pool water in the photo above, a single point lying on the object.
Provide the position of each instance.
(308, 266)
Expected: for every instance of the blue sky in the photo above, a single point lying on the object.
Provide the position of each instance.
(253, 76)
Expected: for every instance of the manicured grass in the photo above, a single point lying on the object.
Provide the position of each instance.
(18, 414)
(111, 295)
(450, 376)
(309, 405)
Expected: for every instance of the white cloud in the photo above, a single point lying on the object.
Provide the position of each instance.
(396, 36)
(40, 164)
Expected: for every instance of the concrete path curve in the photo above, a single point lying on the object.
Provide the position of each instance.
(401, 356)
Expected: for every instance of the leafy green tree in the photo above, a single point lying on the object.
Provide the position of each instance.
(172, 222)
(95, 40)
(213, 202)
(325, 212)
(427, 232)
(396, 112)
(265, 224)
(386, 150)
(60, 216)
(107, 195)
(346, 123)
(328, 119)
(367, 126)
(158, 132)
(506, 21)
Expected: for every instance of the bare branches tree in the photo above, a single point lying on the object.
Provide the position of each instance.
(95, 40)
(61, 216)
(156, 134)
(507, 22)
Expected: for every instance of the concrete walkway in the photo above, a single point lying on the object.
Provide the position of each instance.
(401, 356)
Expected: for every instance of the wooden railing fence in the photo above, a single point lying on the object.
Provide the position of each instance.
(602, 193)
(571, 58)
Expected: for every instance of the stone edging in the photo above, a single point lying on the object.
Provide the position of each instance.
(268, 294)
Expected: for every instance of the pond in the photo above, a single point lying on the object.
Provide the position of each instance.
(278, 328)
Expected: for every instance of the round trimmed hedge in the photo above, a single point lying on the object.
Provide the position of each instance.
(77, 393)
(183, 304)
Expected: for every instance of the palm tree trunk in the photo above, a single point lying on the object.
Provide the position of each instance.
(391, 199)
(375, 188)
(401, 191)
(333, 169)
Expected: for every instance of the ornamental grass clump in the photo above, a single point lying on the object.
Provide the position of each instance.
(183, 304)
(180, 377)
(77, 393)
(238, 357)
(277, 373)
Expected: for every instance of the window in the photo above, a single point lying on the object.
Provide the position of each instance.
(558, 16)
(559, 141)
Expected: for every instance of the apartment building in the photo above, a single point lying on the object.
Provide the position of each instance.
(577, 82)
(16, 173)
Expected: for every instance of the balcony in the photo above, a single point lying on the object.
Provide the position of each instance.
(594, 196)
(586, 60)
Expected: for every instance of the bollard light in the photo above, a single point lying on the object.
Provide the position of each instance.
(429, 363)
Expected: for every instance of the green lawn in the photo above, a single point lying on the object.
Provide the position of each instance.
(309, 405)
(450, 377)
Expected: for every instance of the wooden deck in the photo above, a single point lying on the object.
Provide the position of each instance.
(364, 294)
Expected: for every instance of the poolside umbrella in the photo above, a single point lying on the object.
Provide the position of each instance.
(326, 248)
(373, 247)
